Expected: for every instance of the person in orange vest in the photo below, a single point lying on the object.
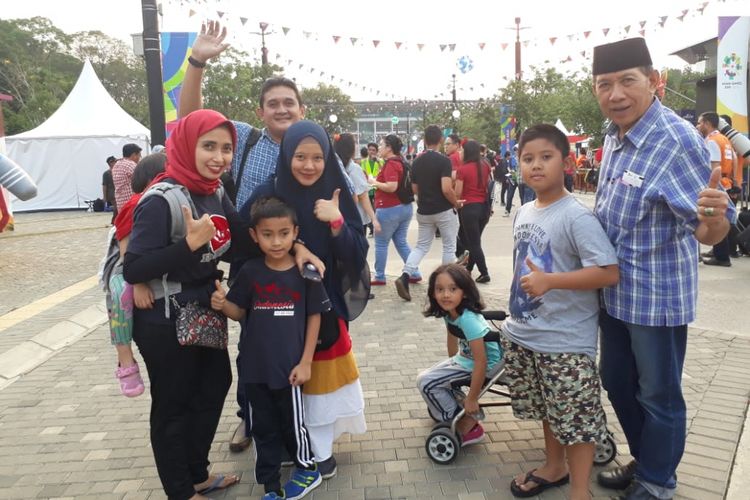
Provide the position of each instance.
(722, 155)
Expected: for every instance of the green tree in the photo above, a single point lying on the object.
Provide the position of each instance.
(325, 100)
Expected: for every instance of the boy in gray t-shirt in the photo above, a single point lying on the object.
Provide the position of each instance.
(562, 257)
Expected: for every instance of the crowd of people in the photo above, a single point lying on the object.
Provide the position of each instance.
(292, 218)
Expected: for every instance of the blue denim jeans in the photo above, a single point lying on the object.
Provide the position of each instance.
(394, 223)
(641, 370)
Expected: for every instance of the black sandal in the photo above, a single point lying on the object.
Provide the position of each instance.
(541, 485)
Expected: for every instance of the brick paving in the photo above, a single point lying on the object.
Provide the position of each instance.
(66, 432)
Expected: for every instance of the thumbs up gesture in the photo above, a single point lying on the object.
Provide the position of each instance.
(199, 231)
(328, 210)
(713, 202)
(535, 283)
(219, 297)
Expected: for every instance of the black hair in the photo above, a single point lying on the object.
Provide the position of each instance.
(363, 152)
(455, 138)
(394, 143)
(432, 135)
(460, 275)
(372, 145)
(710, 117)
(344, 147)
(507, 153)
(110, 160)
(270, 207)
(149, 167)
(130, 149)
(548, 132)
(279, 81)
(727, 119)
(482, 148)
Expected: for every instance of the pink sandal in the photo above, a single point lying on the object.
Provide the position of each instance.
(131, 383)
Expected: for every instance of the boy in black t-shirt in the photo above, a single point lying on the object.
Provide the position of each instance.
(281, 311)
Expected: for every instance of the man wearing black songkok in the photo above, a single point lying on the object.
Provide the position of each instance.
(654, 168)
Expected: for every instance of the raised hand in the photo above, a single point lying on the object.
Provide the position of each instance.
(328, 210)
(218, 298)
(712, 202)
(210, 42)
(200, 231)
(535, 284)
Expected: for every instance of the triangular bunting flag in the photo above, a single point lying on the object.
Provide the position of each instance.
(220, 14)
(278, 56)
(420, 46)
(605, 31)
(586, 34)
(376, 43)
(398, 45)
(452, 46)
(526, 43)
(481, 45)
(504, 46)
(643, 24)
(285, 30)
(322, 73)
(353, 40)
(570, 38)
(191, 13)
(307, 34)
(288, 62)
(301, 65)
(263, 26)
(552, 40)
(583, 53)
(243, 20)
(682, 16)
(642, 33)
(702, 7)
(442, 47)
(336, 39)
(662, 20)
(627, 29)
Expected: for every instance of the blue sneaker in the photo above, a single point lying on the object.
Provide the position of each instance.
(272, 495)
(301, 483)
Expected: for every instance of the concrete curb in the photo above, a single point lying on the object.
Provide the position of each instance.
(26, 356)
(739, 478)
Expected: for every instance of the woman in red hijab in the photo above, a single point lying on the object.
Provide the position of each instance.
(188, 383)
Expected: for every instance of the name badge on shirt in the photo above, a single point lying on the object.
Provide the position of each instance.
(283, 313)
(632, 179)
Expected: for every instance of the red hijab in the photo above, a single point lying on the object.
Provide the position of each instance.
(181, 146)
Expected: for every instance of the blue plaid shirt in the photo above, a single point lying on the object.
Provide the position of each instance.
(260, 163)
(647, 203)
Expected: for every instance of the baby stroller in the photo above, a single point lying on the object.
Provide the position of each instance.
(444, 442)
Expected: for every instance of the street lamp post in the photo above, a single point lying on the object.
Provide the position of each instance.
(152, 56)
(263, 50)
(518, 48)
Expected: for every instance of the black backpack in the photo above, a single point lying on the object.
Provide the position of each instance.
(230, 186)
(404, 191)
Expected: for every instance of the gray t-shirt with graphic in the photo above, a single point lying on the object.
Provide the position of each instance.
(561, 237)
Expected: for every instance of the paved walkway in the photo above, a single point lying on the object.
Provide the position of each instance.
(66, 432)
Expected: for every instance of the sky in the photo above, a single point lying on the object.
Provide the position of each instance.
(473, 39)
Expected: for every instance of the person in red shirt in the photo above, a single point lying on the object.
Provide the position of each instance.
(394, 216)
(452, 147)
(472, 179)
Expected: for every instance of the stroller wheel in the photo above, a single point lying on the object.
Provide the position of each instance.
(606, 451)
(442, 446)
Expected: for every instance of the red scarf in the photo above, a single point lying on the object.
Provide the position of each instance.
(181, 146)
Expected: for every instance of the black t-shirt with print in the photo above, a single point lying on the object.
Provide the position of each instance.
(277, 305)
(427, 172)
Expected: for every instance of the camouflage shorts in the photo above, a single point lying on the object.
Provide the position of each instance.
(561, 388)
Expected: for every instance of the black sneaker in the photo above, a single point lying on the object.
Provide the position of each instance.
(327, 468)
(713, 261)
(484, 278)
(402, 287)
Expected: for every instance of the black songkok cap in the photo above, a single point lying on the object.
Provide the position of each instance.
(619, 56)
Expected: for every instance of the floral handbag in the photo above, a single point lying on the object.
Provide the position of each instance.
(200, 326)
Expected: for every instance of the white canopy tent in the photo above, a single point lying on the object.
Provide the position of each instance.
(66, 154)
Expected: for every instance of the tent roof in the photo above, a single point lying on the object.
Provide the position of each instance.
(88, 111)
(561, 127)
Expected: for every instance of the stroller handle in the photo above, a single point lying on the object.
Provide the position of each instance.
(494, 315)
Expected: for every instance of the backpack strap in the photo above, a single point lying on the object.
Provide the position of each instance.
(252, 140)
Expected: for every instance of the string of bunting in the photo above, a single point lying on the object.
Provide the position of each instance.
(640, 28)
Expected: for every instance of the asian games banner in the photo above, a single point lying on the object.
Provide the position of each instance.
(175, 50)
(731, 70)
